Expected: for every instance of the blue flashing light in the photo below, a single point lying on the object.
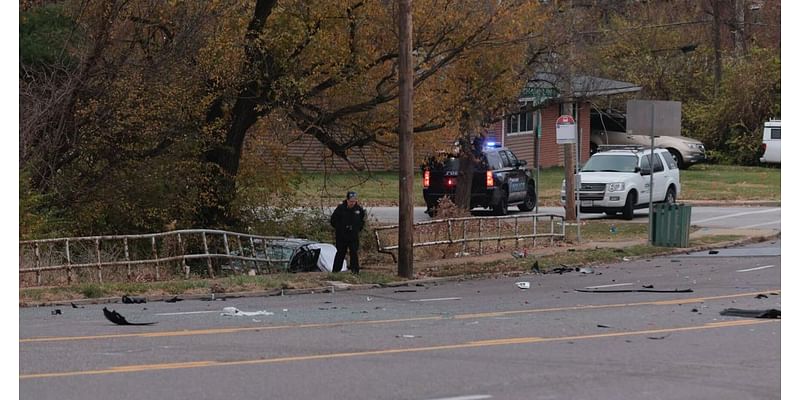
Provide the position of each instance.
(492, 144)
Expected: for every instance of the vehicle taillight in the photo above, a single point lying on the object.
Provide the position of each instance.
(489, 179)
(426, 178)
(450, 182)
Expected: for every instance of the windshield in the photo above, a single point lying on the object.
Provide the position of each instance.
(611, 163)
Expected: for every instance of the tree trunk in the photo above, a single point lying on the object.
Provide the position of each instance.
(224, 158)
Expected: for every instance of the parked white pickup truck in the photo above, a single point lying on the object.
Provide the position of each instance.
(617, 181)
(771, 142)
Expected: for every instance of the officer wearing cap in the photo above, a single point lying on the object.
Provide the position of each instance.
(348, 220)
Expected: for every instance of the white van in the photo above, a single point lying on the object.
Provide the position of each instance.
(771, 142)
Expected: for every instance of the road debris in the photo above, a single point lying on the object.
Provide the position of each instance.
(173, 300)
(657, 337)
(118, 319)
(405, 291)
(76, 306)
(603, 326)
(738, 312)
(406, 336)
(133, 300)
(647, 286)
(523, 285)
(57, 311)
(235, 312)
(586, 270)
(762, 296)
(713, 252)
(636, 290)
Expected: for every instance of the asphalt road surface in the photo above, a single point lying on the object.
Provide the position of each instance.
(712, 217)
(468, 340)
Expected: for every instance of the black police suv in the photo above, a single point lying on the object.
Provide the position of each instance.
(499, 180)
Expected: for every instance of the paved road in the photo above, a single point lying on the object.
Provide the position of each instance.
(483, 339)
(712, 217)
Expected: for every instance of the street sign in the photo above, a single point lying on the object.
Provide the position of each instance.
(566, 131)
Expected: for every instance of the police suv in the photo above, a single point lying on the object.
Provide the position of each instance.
(499, 180)
(618, 180)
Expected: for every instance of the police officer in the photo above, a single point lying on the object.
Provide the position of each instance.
(348, 220)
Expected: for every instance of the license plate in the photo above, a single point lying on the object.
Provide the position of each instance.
(586, 203)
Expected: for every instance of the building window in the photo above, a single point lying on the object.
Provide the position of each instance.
(520, 123)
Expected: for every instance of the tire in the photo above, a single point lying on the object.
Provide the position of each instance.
(530, 200)
(611, 213)
(676, 155)
(670, 198)
(501, 208)
(627, 211)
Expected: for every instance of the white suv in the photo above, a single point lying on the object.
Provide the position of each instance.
(618, 180)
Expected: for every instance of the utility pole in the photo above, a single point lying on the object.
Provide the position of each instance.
(405, 240)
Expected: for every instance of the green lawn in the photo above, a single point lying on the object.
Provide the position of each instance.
(700, 182)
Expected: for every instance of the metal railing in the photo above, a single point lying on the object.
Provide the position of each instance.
(453, 231)
(76, 255)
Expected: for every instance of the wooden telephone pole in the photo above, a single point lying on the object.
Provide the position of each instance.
(405, 251)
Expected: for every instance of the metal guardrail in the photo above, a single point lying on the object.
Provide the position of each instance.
(155, 249)
(481, 227)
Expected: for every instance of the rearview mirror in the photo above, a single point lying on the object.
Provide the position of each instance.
(522, 163)
(645, 171)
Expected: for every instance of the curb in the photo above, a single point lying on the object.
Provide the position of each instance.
(353, 287)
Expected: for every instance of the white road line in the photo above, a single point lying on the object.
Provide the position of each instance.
(470, 397)
(765, 223)
(604, 286)
(189, 312)
(736, 215)
(755, 269)
(439, 299)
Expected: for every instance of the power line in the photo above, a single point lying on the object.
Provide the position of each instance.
(646, 27)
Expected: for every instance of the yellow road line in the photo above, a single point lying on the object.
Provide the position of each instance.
(466, 345)
(218, 331)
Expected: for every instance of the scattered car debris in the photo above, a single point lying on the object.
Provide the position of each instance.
(762, 296)
(118, 319)
(462, 254)
(57, 311)
(523, 285)
(626, 258)
(405, 291)
(738, 312)
(695, 310)
(586, 270)
(76, 306)
(518, 254)
(173, 300)
(235, 312)
(713, 252)
(603, 326)
(406, 336)
(657, 337)
(636, 290)
(133, 300)
(647, 286)
(419, 284)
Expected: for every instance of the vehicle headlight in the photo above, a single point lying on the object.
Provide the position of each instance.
(615, 187)
(695, 146)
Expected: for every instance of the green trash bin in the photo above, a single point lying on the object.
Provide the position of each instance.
(670, 225)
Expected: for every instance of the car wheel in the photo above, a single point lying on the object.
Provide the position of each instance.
(530, 200)
(670, 197)
(676, 155)
(627, 211)
(501, 208)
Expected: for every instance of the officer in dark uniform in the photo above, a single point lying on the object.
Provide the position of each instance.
(348, 220)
